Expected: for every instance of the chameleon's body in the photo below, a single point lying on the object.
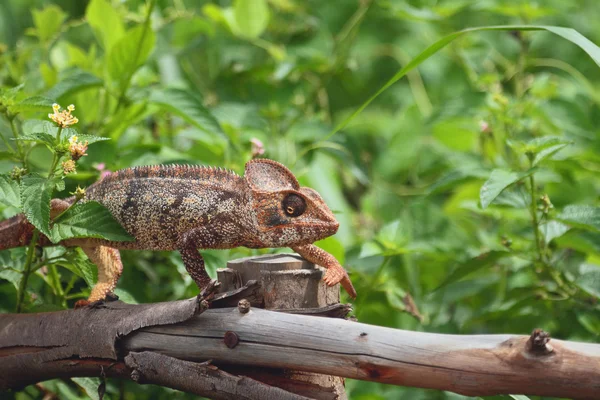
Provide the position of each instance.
(187, 208)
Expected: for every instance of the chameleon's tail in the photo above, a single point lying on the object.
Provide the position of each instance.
(15, 232)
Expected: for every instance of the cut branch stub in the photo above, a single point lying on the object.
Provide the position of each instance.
(287, 280)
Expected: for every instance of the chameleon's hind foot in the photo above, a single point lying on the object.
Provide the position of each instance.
(210, 289)
(110, 296)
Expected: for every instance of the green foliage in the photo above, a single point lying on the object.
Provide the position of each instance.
(456, 142)
(36, 193)
(89, 219)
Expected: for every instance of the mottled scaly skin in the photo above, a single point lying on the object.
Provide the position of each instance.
(187, 208)
(156, 204)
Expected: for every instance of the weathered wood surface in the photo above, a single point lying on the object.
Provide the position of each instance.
(289, 283)
(473, 365)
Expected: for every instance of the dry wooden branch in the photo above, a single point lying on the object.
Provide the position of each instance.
(471, 365)
(114, 339)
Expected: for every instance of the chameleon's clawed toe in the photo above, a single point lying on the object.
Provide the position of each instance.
(210, 290)
(110, 296)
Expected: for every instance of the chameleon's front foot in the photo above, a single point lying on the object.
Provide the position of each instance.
(335, 272)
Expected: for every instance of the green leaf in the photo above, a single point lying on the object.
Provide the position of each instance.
(548, 152)
(519, 397)
(542, 147)
(188, 106)
(89, 219)
(581, 216)
(499, 180)
(89, 386)
(251, 17)
(567, 33)
(32, 126)
(35, 103)
(12, 92)
(36, 193)
(74, 83)
(40, 137)
(589, 279)
(553, 229)
(130, 53)
(125, 296)
(48, 22)
(106, 23)
(474, 264)
(9, 191)
(590, 322)
(86, 138)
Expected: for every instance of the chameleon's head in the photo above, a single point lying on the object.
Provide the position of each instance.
(286, 213)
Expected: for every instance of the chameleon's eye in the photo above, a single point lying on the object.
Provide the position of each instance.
(293, 205)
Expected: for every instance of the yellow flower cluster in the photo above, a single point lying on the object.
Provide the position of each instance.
(77, 149)
(63, 118)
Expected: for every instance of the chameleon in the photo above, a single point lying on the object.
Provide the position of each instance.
(187, 208)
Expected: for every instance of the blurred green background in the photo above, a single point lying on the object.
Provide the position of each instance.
(198, 82)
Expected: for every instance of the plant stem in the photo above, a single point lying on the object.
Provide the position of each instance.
(26, 270)
(55, 157)
(15, 131)
(534, 218)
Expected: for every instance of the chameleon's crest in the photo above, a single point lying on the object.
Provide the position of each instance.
(268, 176)
(286, 213)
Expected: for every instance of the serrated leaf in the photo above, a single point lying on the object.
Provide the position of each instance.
(12, 92)
(472, 265)
(86, 138)
(90, 219)
(581, 216)
(499, 180)
(32, 104)
(40, 137)
(251, 17)
(32, 126)
(130, 53)
(10, 194)
(106, 23)
(36, 193)
(188, 106)
(74, 83)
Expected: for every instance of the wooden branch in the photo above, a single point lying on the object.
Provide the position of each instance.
(276, 348)
(471, 364)
(474, 365)
(200, 378)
